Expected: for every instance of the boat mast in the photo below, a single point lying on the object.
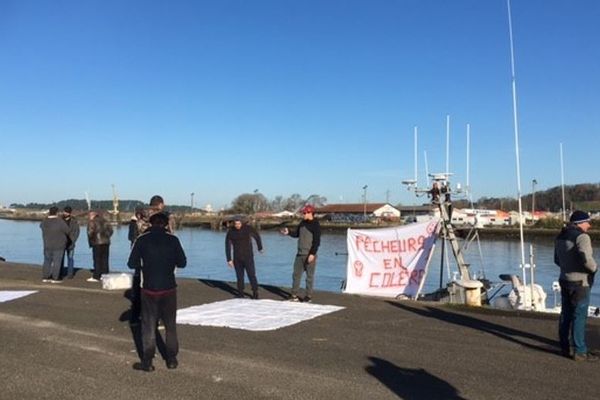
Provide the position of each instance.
(426, 169)
(469, 196)
(562, 183)
(416, 132)
(447, 145)
(517, 156)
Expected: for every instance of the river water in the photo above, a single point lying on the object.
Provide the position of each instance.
(21, 241)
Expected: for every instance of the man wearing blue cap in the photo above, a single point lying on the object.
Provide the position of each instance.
(573, 254)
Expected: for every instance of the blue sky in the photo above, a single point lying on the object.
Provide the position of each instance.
(225, 97)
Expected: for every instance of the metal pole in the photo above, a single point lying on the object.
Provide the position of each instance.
(416, 133)
(442, 261)
(562, 183)
(533, 183)
(365, 202)
(469, 197)
(447, 144)
(192, 203)
(516, 129)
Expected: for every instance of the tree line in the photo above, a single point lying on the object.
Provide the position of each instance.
(585, 196)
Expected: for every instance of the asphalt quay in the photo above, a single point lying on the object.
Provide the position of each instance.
(73, 340)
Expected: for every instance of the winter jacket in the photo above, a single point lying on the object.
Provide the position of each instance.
(157, 253)
(99, 231)
(573, 254)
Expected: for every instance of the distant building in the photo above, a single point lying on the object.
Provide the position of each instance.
(356, 211)
(420, 213)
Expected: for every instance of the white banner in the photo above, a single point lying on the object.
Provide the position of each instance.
(392, 261)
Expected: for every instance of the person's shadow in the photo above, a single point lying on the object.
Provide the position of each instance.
(504, 332)
(224, 286)
(411, 384)
(277, 291)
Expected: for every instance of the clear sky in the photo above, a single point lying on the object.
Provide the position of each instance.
(316, 96)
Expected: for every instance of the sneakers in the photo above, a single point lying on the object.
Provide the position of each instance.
(585, 357)
(294, 298)
(254, 295)
(46, 280)
(92, 279)
(55, 281)
(307, 300)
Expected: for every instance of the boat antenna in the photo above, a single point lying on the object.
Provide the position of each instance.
(562, 183)
(426, 168)
(517, 156)
(469, 195)
(447, 144)
(416, 133)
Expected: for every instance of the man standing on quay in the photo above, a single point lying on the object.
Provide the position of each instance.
(99, 232)
(55, 234)
(240, 238)
(573, 254)
(73, 235)
(156, 254)
(309, 239)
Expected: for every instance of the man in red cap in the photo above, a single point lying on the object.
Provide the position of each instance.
(309, 239)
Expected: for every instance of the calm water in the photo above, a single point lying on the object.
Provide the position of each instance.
(22, 242)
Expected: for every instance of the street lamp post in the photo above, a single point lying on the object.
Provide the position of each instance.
(255, 201)
(192, 202)
(365, 202)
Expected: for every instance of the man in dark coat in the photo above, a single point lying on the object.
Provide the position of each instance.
(156, 254)
(73, 235)
(239, 237)
(55, 234)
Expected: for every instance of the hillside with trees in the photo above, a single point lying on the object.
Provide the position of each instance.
(585, 196)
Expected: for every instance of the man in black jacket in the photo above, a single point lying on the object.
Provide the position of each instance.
(157, 253)
(240, 238)
(309, 240)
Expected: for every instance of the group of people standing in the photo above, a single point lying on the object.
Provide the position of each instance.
(60, 234)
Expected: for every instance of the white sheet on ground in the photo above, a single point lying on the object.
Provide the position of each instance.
(252, 315)
(8, 295)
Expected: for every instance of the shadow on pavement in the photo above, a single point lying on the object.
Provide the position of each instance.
(224, 286)
(277, 291)
(411, 384)
(504, 332)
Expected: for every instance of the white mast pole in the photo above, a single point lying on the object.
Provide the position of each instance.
(426, 169)
(516, 129)
(469, 162)
(447, 145)
(416, 138)
(562, 183)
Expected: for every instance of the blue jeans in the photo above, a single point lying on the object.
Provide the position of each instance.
(575, 300)
(70, 254)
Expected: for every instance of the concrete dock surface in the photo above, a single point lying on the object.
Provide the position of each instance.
(73, 340)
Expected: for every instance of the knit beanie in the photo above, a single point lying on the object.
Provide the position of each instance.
(579, 217)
